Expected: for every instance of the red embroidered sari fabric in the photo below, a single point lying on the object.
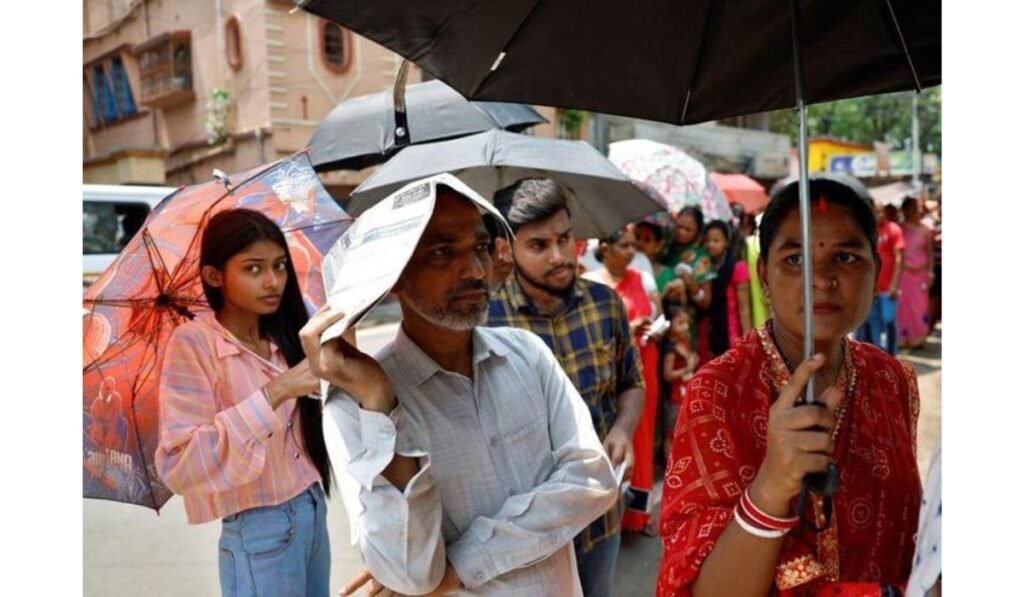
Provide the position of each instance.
(719, 445)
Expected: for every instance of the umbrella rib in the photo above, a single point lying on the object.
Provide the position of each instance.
(504, 47)
(138, 437)
(903, 42)
(119, 302)
(314, 225)
(696, 62)
(156, 260)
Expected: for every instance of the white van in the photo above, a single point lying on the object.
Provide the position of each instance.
(111, 215)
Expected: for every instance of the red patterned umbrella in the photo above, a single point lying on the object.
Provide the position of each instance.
(152, 287)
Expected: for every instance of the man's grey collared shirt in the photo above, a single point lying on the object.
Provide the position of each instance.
(511, 469)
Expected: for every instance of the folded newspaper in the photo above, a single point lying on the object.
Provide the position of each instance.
(365, 263)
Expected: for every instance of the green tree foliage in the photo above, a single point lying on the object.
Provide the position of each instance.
(872, 118)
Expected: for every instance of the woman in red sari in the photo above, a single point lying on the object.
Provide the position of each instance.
(744, 441)
(640, 295)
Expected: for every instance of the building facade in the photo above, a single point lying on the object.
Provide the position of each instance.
(175, 88)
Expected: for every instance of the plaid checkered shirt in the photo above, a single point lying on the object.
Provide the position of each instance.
(590, 338)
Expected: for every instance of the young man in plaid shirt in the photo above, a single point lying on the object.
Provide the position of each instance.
(585, 325)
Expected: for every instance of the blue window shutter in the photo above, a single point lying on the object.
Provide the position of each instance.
(105, 94)
(122, 87)
(97, 112)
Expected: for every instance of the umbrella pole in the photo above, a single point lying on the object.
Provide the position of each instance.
(827, 482)
(805, 199)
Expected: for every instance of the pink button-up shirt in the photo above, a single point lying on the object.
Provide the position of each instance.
(221, 446)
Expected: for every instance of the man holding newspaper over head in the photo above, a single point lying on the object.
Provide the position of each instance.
(467, 459)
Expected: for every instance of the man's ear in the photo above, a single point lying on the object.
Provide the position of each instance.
(212, 276)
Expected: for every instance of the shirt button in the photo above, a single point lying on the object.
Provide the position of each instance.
(289, 424)
(296, 455)
(494, 442)
(511, 492)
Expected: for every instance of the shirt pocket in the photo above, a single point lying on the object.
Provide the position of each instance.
(527, 447)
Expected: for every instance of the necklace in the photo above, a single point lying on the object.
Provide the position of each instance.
(256, 346)
(846, 379)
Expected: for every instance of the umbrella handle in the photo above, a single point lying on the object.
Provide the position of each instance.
(398, 95)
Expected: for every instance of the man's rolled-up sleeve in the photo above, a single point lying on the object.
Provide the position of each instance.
(398, 532)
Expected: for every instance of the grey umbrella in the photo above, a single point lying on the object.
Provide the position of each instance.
(361, 132)
(602, 199)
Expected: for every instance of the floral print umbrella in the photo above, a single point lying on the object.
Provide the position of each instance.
(670, 176)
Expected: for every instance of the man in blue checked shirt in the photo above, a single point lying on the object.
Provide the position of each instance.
(585, 325)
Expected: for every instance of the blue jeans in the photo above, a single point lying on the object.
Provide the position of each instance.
(880, 327)
(597, 568)
(278, 550)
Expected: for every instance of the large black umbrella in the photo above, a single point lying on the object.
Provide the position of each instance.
(676, 61)
(361, 132)
(679, 61)
(601, 198)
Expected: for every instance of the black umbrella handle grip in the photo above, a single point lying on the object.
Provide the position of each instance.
(825, 483)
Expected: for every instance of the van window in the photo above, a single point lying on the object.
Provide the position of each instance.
(107, 227)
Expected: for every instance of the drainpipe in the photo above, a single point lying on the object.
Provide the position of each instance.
(147, 32)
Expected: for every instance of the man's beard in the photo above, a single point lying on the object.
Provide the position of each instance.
(445, 317)
(548, 288)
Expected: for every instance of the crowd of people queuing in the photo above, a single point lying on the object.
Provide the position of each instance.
(481, 451)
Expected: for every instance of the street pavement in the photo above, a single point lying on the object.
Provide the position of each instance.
(131, 551)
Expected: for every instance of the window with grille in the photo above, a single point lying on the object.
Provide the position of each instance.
(334, 47)
(165, 68)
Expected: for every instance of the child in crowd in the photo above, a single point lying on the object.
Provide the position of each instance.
(678, 366)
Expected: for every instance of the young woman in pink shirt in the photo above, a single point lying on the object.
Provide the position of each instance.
(239, 440)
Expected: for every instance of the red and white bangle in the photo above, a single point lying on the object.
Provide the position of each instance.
(754, 530)
(759, 523)
(762, 518)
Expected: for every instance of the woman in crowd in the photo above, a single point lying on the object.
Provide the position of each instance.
(640, 295)
(651, 237)
(728, 318)
(238, 439)
(736, 519)
(912, 318)
(697, 271)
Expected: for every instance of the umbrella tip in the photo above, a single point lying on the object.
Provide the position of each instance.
(222, 177)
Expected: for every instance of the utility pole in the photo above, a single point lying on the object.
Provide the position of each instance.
(915, 133)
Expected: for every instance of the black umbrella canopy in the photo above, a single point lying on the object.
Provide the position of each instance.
(674, 61)
(360, 132)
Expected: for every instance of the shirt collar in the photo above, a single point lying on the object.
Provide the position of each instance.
(417, 366)
(225, 343)
(486, 345)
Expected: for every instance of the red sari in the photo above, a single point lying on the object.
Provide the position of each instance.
(638, 304)
(719, 445)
